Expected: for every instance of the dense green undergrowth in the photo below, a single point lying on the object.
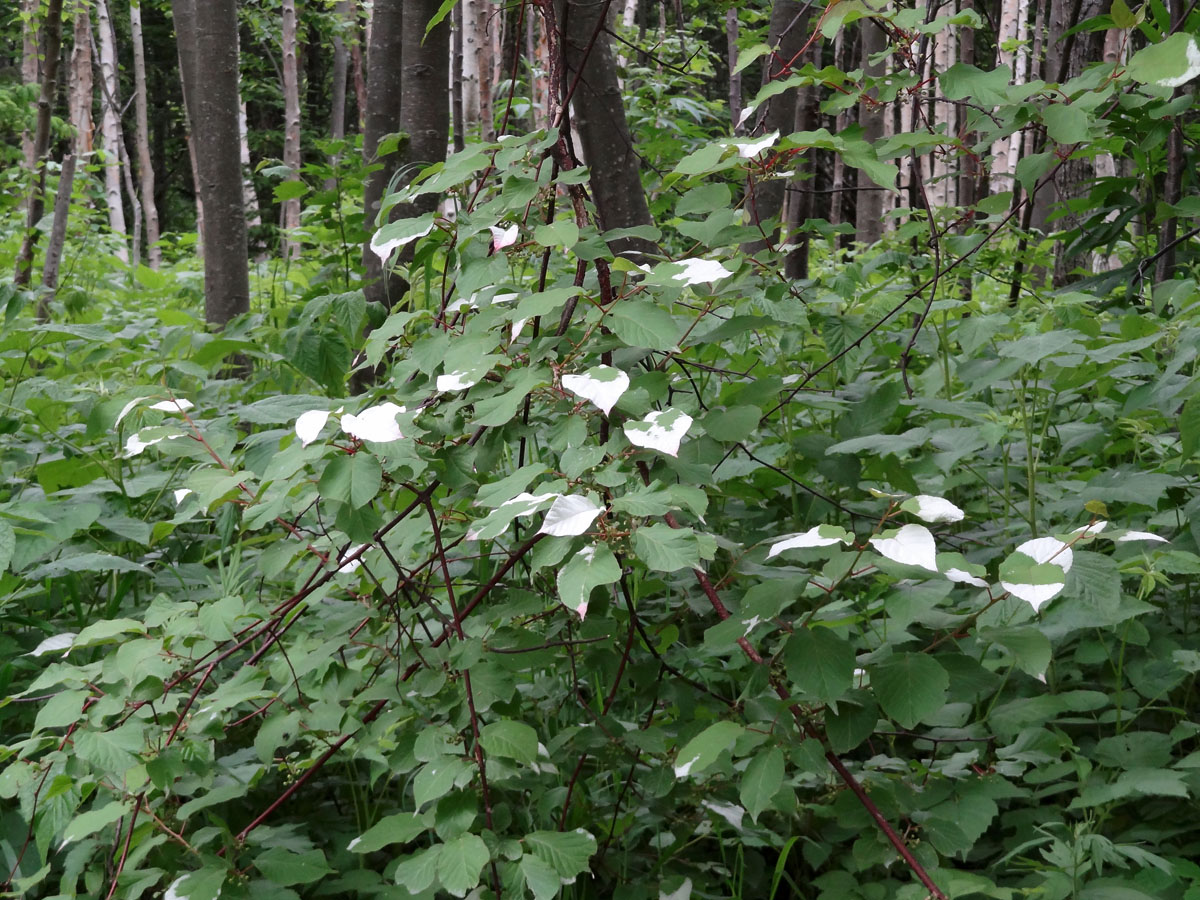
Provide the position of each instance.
(675, 580)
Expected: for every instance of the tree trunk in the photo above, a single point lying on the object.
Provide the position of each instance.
(1066, 56)
(599, 115)
(110, 128)
(942, 119)
(735, 80)
(80, 106)
(52, 48)
(458, 75)
(249, 196)
(356, 66)
(142, 138)
(291, 128)
(211, 93)
(869, 199)
(341, 67)
(1013, 26)
(485, 63)
(381, 117)
(764, 202)
(424, 101)
(29, 74)
(511, 42)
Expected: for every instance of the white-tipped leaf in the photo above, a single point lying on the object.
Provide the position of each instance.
(457, 381)
(377, 423)
(179, 405)
(700, 271)
(661, 430)
(932, 509)
(820, 536)
(911, 545)
(1036, 571)
(55, 644)
(1141, 536)
(127, 408)
(570, 514)
(602, 385)
(751, 149)
(309, 425)
(503, 237)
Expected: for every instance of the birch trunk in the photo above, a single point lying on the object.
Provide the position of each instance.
(1013, 26)
(942, 191)
(52, 46)
(110, 129)
(142, 138)
(80, 105)
(290, 213)
(249, 196)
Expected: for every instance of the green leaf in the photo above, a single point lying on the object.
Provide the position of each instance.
(514, 740)
(353, 479)
(1066, 123)
(734, 423)
(666, 549)
(277, 731)
(1189, 433)
(1030, 648)
(820, 664)
(60, 710)
(418, 872)
(643, 324)
(88, 823)
(761, 781)
(540, 877)
(85, 562)
(909, 687)
(460, 863)
(590, 568)
(111, 752)
(561, 233)
(1122, 16)
(566, 852)
(396, 829)
(284, 867)
(1170, 63)
(702, 751)
(436, 778)
(202, 885)
(8, 542)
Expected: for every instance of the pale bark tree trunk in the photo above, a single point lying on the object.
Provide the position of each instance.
(291, 128)
(942, 191)
(142, 138)
(249, 195)
(599, 115)
(110, 128)
(80, 105)
(1013, 26)
(868, 220)
(209, 28)
(764, 200)
(52, 48)
(381, 117)
(29, 73)
(511, 42)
